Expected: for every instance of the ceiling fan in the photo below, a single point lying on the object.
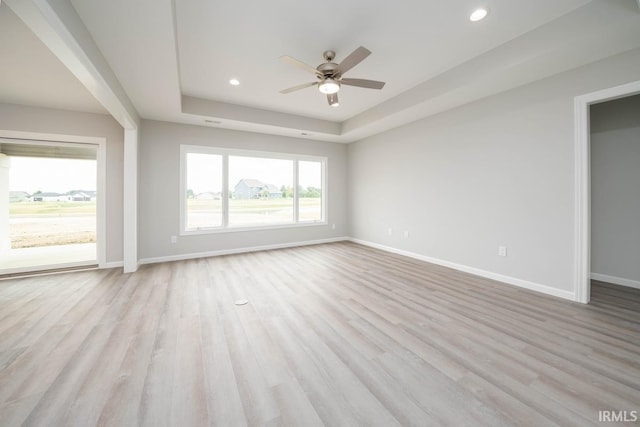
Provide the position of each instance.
(329, 74)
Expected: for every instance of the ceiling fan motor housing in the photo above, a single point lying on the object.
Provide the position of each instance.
(327, 69)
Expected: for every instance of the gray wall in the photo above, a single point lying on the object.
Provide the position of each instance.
(159, 181)
(44, 120)
(615, 188)
(499, 171)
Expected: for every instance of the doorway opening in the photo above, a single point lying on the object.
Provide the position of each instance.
(51, 197)
(582, 126)
(615, 192)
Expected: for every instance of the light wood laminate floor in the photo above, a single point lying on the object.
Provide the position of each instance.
(334, 335)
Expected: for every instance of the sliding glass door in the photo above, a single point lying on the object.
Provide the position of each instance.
(48, 218)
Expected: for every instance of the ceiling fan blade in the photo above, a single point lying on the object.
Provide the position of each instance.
(352, 60)
(299, 64)
(369, 84)
(295, 88)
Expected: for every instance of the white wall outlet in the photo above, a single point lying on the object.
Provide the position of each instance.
(502, 250)
(389, 231)
(406, 234)
(174, 239)
(333, 226)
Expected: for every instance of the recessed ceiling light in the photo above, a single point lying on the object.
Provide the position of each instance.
(234, 82)
(478, 15)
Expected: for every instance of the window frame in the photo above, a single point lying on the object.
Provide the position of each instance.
(225, 153)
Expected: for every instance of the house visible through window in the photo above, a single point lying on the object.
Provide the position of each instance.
(258, 188)
(233, 189)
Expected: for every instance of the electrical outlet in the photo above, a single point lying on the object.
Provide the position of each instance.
(502, 251)
(390, 232)
(406, 234)
(174, 239)
(333, 226)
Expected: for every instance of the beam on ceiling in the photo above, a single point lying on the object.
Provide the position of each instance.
(58, 26)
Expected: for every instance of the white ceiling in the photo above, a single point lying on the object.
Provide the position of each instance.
(31, 75)
(411, 42)
(174, 58)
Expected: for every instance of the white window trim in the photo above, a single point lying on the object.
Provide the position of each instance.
(225, 153)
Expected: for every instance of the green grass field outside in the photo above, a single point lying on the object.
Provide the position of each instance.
(56, 223)
(204, 213)
(52, 208)
(83, 208)
(251, 204)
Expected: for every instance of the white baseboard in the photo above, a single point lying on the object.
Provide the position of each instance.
(472, 270)
(616, 280)
(181, 257)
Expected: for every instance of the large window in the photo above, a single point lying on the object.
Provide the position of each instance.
(223, 190)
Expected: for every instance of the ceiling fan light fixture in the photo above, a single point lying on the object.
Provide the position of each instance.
(329, 86)
(333, 100)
